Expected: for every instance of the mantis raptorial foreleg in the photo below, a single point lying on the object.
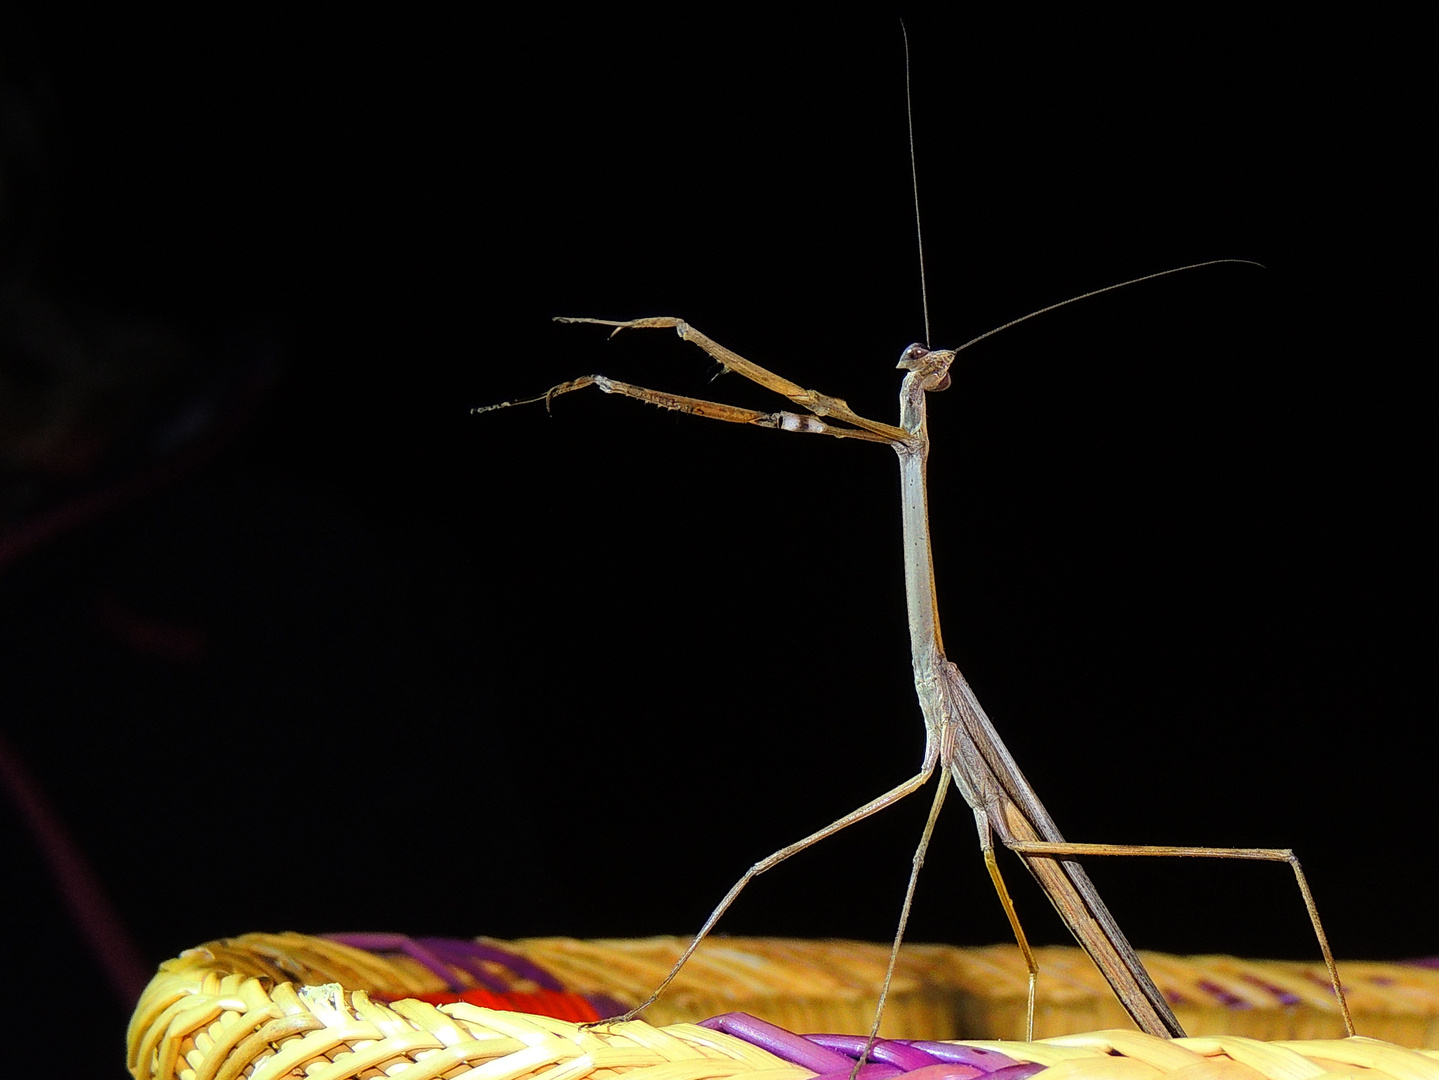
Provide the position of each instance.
(959, 736)
(819, 405)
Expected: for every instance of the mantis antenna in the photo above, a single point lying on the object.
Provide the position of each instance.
(914, 180)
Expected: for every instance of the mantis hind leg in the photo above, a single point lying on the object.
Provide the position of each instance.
(1030, 962)
(986, 845)
(889, 798)
(1284, 855)
(919, 853)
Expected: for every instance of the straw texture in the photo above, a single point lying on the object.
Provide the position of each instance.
(941, 991)
(286, 1005)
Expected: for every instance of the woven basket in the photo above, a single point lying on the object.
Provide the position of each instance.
(943, 992)
(272, 1006)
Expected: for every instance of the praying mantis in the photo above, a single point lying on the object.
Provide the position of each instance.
(960, 742)
(961, 745)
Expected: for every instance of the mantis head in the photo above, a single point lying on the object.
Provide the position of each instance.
(930, 366)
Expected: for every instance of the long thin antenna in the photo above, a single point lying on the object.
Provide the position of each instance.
(914, 181)
(1107, 288)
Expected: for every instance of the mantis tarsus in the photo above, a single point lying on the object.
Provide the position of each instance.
(960, 742)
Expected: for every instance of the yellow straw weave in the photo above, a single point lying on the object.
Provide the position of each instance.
(273, 1006)
(943, 992)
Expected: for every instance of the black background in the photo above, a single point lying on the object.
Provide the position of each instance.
(519, 674)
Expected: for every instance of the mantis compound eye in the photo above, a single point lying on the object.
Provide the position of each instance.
(911, 356)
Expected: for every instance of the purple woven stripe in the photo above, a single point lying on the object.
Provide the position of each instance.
(458, 954)
(520, 965)
(948, 1070)
(1284, 997)
(441, 955)
(833, 1056)
(1223, 996)
(403, 944)
(984, 1060)
(884, 1051)
(795, 1049)
(942, 1071)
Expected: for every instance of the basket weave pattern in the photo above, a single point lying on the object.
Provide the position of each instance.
(942, 992)
(287, 1005)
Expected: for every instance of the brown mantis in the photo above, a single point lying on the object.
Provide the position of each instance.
(960, 742)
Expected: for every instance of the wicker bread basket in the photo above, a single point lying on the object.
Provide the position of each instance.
(287, 1005)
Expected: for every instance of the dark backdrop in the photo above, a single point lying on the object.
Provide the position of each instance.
(519, 674)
